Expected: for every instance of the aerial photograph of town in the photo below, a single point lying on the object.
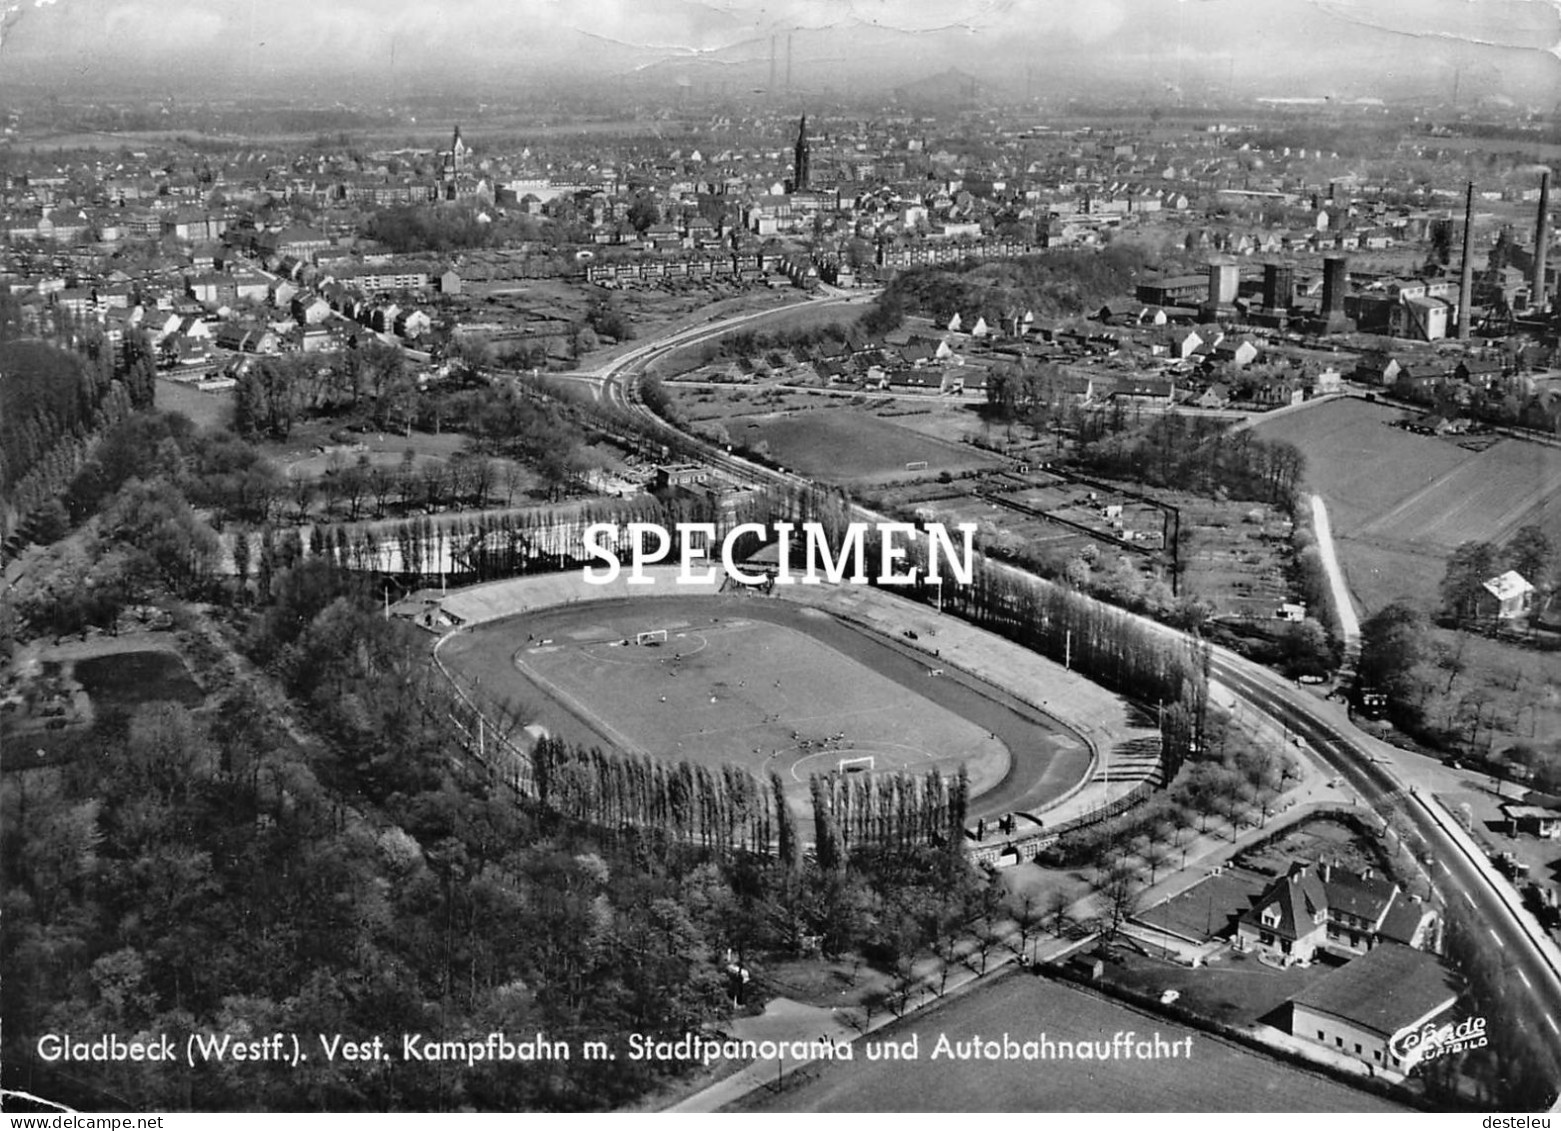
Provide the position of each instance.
(779, 556)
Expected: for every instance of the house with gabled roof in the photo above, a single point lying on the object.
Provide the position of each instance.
(1326, 907)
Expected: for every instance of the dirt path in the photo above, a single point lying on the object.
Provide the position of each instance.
(1349, 622)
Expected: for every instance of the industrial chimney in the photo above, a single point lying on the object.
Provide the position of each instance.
(1466, 280)
(1541, 239)
(1336, 282)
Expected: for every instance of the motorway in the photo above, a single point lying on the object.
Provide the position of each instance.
(1367, 765)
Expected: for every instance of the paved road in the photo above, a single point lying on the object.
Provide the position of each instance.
(1369, 766)
(609, 379)
(1459, 869)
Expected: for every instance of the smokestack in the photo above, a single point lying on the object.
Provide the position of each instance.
(788, 62)
(1278, 286)
(1541, 239)
(1336, 283)
(772, 67)
(1466, 279)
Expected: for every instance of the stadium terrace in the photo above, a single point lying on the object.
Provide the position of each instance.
(810, 560)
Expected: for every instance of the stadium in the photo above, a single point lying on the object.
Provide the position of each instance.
(767, 684)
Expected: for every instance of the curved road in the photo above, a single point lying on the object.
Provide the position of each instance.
(1368, 766)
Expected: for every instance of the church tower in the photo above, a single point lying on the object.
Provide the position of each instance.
(800, 171)
(453, 166)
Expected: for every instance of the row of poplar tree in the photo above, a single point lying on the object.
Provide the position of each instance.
(726, 809)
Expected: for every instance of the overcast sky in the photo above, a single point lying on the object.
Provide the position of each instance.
(1509, 47)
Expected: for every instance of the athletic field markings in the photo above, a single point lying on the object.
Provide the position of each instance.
(589, 717)
(592, 649)
(847, 751)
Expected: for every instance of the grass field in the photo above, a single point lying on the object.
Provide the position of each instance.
(207, 410)
(1400, 502)
(1217, 1077)
(840, 445)
(738, 690)
(766, 686)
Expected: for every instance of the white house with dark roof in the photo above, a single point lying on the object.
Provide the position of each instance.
(1511, 596)
(1360, 1008)
(1325, 907)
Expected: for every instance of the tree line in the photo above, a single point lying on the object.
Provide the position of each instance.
(1050, 285)
(1200, 454)
(54, 402)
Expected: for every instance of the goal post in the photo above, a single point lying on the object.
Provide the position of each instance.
(863, 764)
(653, 636)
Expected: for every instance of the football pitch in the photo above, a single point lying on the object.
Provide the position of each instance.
(764, 686)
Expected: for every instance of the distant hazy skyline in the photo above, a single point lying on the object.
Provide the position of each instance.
(1502, 48)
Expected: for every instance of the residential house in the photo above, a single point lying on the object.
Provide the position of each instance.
(1510, 597)
(1237, 355)
(310, 310)
(1324, 906)
(915, 381)
(1147, 392)
(412, 323)
(1216, 395)
(1480, 372)
(972, 379)
(242, 338)
(1184, 344)
(1327, 382)
(1278, 393)
(282, 292)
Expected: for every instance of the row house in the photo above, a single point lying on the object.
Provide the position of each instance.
(193, 223)
(45, 229)
(895, 257)
(242, 338)
(375, 279)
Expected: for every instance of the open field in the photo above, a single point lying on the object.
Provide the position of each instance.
(207, 410)
(1517, 688)
(1217, 1077)
(764, 685)
(843, 445)
(1400, 502)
